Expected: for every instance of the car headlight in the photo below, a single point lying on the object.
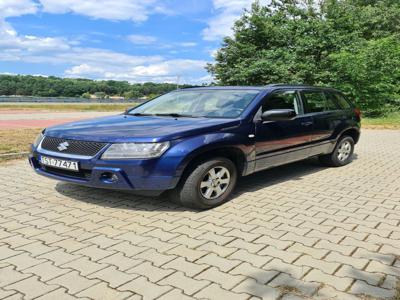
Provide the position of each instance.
(135, 150)
(38, 139)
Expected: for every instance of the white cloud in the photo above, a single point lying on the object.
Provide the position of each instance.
(227, 12)
(12, 44)
(137, 11)
(212, 52)
(142, 39)
(116, 10)
(187, 44)
(219, 27)
(14, 8)
(83, 69)
(10, 41)
(103, 59)
(163, 71)
(205, 79)
(169, 67)
(148, 40)
(94, 63)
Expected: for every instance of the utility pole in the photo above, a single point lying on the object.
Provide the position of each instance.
(177, 81)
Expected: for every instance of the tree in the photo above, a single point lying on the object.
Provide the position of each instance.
(86, 95)
(132, 94)
(370, 73)
(100, 95)
(66, 87)
(327, 42)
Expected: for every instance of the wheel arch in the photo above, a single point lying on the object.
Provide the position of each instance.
(235, 154)
(354, 133)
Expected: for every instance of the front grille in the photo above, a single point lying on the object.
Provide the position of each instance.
(74, 146)
(82, 174)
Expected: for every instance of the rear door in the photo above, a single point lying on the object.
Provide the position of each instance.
(326, 116)
(279, 142)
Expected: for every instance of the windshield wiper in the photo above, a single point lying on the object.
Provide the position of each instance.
(175, 115)
(140, 114)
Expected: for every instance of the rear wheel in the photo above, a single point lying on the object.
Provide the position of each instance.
(342, 153)
(207, 185)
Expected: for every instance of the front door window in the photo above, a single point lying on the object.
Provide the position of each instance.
(282, 100)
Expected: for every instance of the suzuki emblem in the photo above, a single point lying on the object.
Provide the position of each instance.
(63, 146)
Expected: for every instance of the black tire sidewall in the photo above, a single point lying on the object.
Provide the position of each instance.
(194, 198)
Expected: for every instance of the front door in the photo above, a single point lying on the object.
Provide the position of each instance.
(279, 142)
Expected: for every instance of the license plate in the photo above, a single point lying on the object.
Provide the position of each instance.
(59, 163)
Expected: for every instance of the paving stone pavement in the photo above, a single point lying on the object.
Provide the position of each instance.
(295, 232)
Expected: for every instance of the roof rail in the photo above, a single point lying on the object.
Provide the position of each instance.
(286, 84)
(297, 85)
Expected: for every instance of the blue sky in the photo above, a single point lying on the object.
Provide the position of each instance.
(133, 40)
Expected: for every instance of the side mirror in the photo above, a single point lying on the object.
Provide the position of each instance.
(278, 115)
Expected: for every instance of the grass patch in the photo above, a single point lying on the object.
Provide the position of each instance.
(391, 121)
(17, 140)
(68, 106)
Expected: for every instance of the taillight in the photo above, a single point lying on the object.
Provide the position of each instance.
(357, 112)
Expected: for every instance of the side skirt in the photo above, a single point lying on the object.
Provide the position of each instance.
(270, 160)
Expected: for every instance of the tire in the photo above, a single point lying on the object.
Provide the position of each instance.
(341, 155)
(194, 190)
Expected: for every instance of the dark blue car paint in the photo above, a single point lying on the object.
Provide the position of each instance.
(260, 144)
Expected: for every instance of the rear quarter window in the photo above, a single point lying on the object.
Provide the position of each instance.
(340, 100)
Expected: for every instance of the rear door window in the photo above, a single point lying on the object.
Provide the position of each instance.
(316, 101)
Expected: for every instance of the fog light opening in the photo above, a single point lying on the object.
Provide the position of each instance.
(108, 177)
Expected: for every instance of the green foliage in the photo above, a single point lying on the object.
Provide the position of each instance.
(370, 73)
(66, 87)
(86, 95)
(100, 95)
(353, 45)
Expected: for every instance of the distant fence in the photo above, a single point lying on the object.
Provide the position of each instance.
(5, 99)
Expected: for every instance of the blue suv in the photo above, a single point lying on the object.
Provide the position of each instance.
(195, 143)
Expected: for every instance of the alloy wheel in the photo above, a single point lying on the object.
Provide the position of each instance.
(344, 150)
(215, 182)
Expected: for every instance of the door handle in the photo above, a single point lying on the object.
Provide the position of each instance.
(307, 123)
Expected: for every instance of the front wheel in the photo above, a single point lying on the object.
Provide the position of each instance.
(341, 155)
(207, 185)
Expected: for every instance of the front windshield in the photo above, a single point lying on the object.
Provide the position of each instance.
(199, 103)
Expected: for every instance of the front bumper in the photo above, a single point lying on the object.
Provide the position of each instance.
(136, 175)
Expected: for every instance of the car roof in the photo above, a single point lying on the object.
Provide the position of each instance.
(261, 88)
(269, 87)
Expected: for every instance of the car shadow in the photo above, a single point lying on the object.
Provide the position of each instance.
(128, 200)
(293, 171)
(276, 175)
(117, 199)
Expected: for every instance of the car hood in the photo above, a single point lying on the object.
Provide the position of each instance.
(128, 128)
